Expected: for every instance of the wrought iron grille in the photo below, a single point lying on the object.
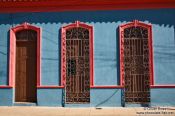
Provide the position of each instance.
(77, 63)
(136, 65)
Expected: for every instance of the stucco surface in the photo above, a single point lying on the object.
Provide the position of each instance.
(106, 52)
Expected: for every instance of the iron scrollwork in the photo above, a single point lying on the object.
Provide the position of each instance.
(136, 65)
(78, 71)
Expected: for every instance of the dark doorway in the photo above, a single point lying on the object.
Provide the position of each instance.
(26, 65)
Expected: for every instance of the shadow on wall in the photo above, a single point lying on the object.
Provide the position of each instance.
(118, 58)
(157, 16)
(107, 99)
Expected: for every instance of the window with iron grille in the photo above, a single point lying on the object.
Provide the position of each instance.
(136, 61)
(77, 62)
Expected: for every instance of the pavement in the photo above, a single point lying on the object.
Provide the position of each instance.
(104, 111)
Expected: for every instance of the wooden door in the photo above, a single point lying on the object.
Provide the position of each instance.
(25, 83)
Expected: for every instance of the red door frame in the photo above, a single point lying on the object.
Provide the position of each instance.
(12, 51)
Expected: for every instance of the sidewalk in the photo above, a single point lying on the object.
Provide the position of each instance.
(57, 111)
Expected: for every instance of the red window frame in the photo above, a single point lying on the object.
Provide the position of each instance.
(63, 50)
(121, 31)
(12, 51)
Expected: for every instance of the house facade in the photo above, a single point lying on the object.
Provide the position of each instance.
(87, 53)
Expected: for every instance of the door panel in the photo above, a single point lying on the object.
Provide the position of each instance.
(25, 82)
(20, 86)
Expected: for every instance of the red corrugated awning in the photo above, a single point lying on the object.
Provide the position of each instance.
(10, 6)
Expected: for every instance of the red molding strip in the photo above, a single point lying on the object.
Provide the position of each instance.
(107, 87)
(94, 87)
(162, 86)
(50, 87)
(120, 87)
(5, 86)
(82, 5)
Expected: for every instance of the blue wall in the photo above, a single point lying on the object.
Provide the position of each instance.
(164, 53)
(106, 52)
(4, 43)
(50, 97)
(105, 97)
(6, 97)
(163, 97)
